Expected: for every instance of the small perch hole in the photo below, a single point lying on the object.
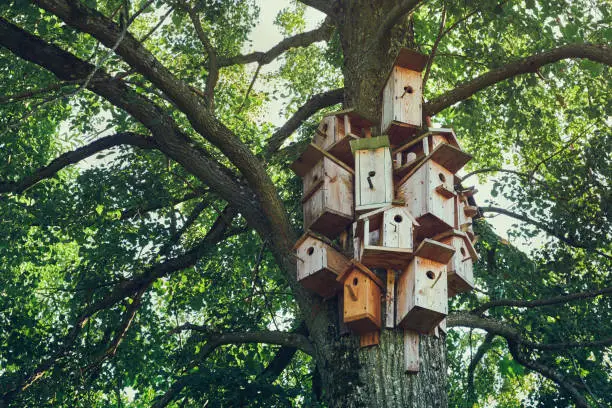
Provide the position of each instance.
(430, 275)
(398, 218)
(310, 251)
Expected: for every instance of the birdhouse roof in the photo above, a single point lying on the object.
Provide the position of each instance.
(314, 235)
(356, 266)
(378, 211)
(435, 251)
(311, 156)
(355, 117)
(466, 239)
(370, 143)
(411, 59)
(449, 133)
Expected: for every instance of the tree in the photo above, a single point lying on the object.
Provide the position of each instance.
(137, 273)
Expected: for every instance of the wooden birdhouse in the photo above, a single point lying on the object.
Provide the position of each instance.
(422, 288)
(402, 97)
(373, 173)
(465, 212)
(385, 237)
(441, 144)
(362, 298)
(461, 266)
(328, 197)
(428, 192)
(336, 131)
(319, 264)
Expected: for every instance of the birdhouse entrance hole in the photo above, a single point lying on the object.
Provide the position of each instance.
(441, 177)
(430, 274)
(462, 250)
(310, 251)
(355, 281)
(398, 218)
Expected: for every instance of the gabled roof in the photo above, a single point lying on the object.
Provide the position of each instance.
(387, 208)
(363, 269)
(466, 239)
(314, 235)
(449, 133)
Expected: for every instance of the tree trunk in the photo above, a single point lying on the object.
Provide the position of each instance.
(374, 376)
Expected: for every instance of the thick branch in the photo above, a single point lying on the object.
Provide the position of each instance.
(542, 302)
(516, 341)
(324, 6)
(595, 52)
(299, 40)
(281, 338)
(398, 12)
(282, 359)
(313, 105)
(75, 156)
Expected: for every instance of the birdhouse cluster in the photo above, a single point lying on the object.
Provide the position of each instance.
(398, 197)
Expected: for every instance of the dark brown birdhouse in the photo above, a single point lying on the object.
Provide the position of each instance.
(385, 237)
(362, 298)
(422, 288)
(319, 264)
(461, 266)
(373, 173)
(328, 198)
(336, 131)
(428, 192)
(402, 97)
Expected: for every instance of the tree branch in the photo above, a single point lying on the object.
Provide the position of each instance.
(541, 302)
(299, 40)
(126, 288)
(434, 48)
(213, 66)
(595, 52)
(394, 15)
(324, 6)
(281, 338)
(482, 350)
(544, 227)
(313, 105)
(282, 358)
(515, 341)
(75, 156)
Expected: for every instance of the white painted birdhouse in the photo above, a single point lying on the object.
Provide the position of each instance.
(361, 298)
(428, 192)
(402, 97)
(422, 288)
(319, 264)
(461, 266)
(336, 131)
(373, 173)
(386, 237)
(328, 198)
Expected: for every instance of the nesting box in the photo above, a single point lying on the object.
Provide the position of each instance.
(328, 198)
(461, 266)
(464, 212)
(319, 264)
(428, 192)
(336, 131)
(422, 288)
(362, 297)
(385, 237)
(373, 173)
(402, 97)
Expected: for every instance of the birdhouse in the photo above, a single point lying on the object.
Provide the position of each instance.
(464, 211)
(402, 97)
(319, 264)
(386, 237)
(373, 173)
(422, 287)
(336, 131)
(328, 197)
(428, 192)
(362, 297)
(461, 266)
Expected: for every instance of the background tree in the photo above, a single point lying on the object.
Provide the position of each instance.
(162, 272)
